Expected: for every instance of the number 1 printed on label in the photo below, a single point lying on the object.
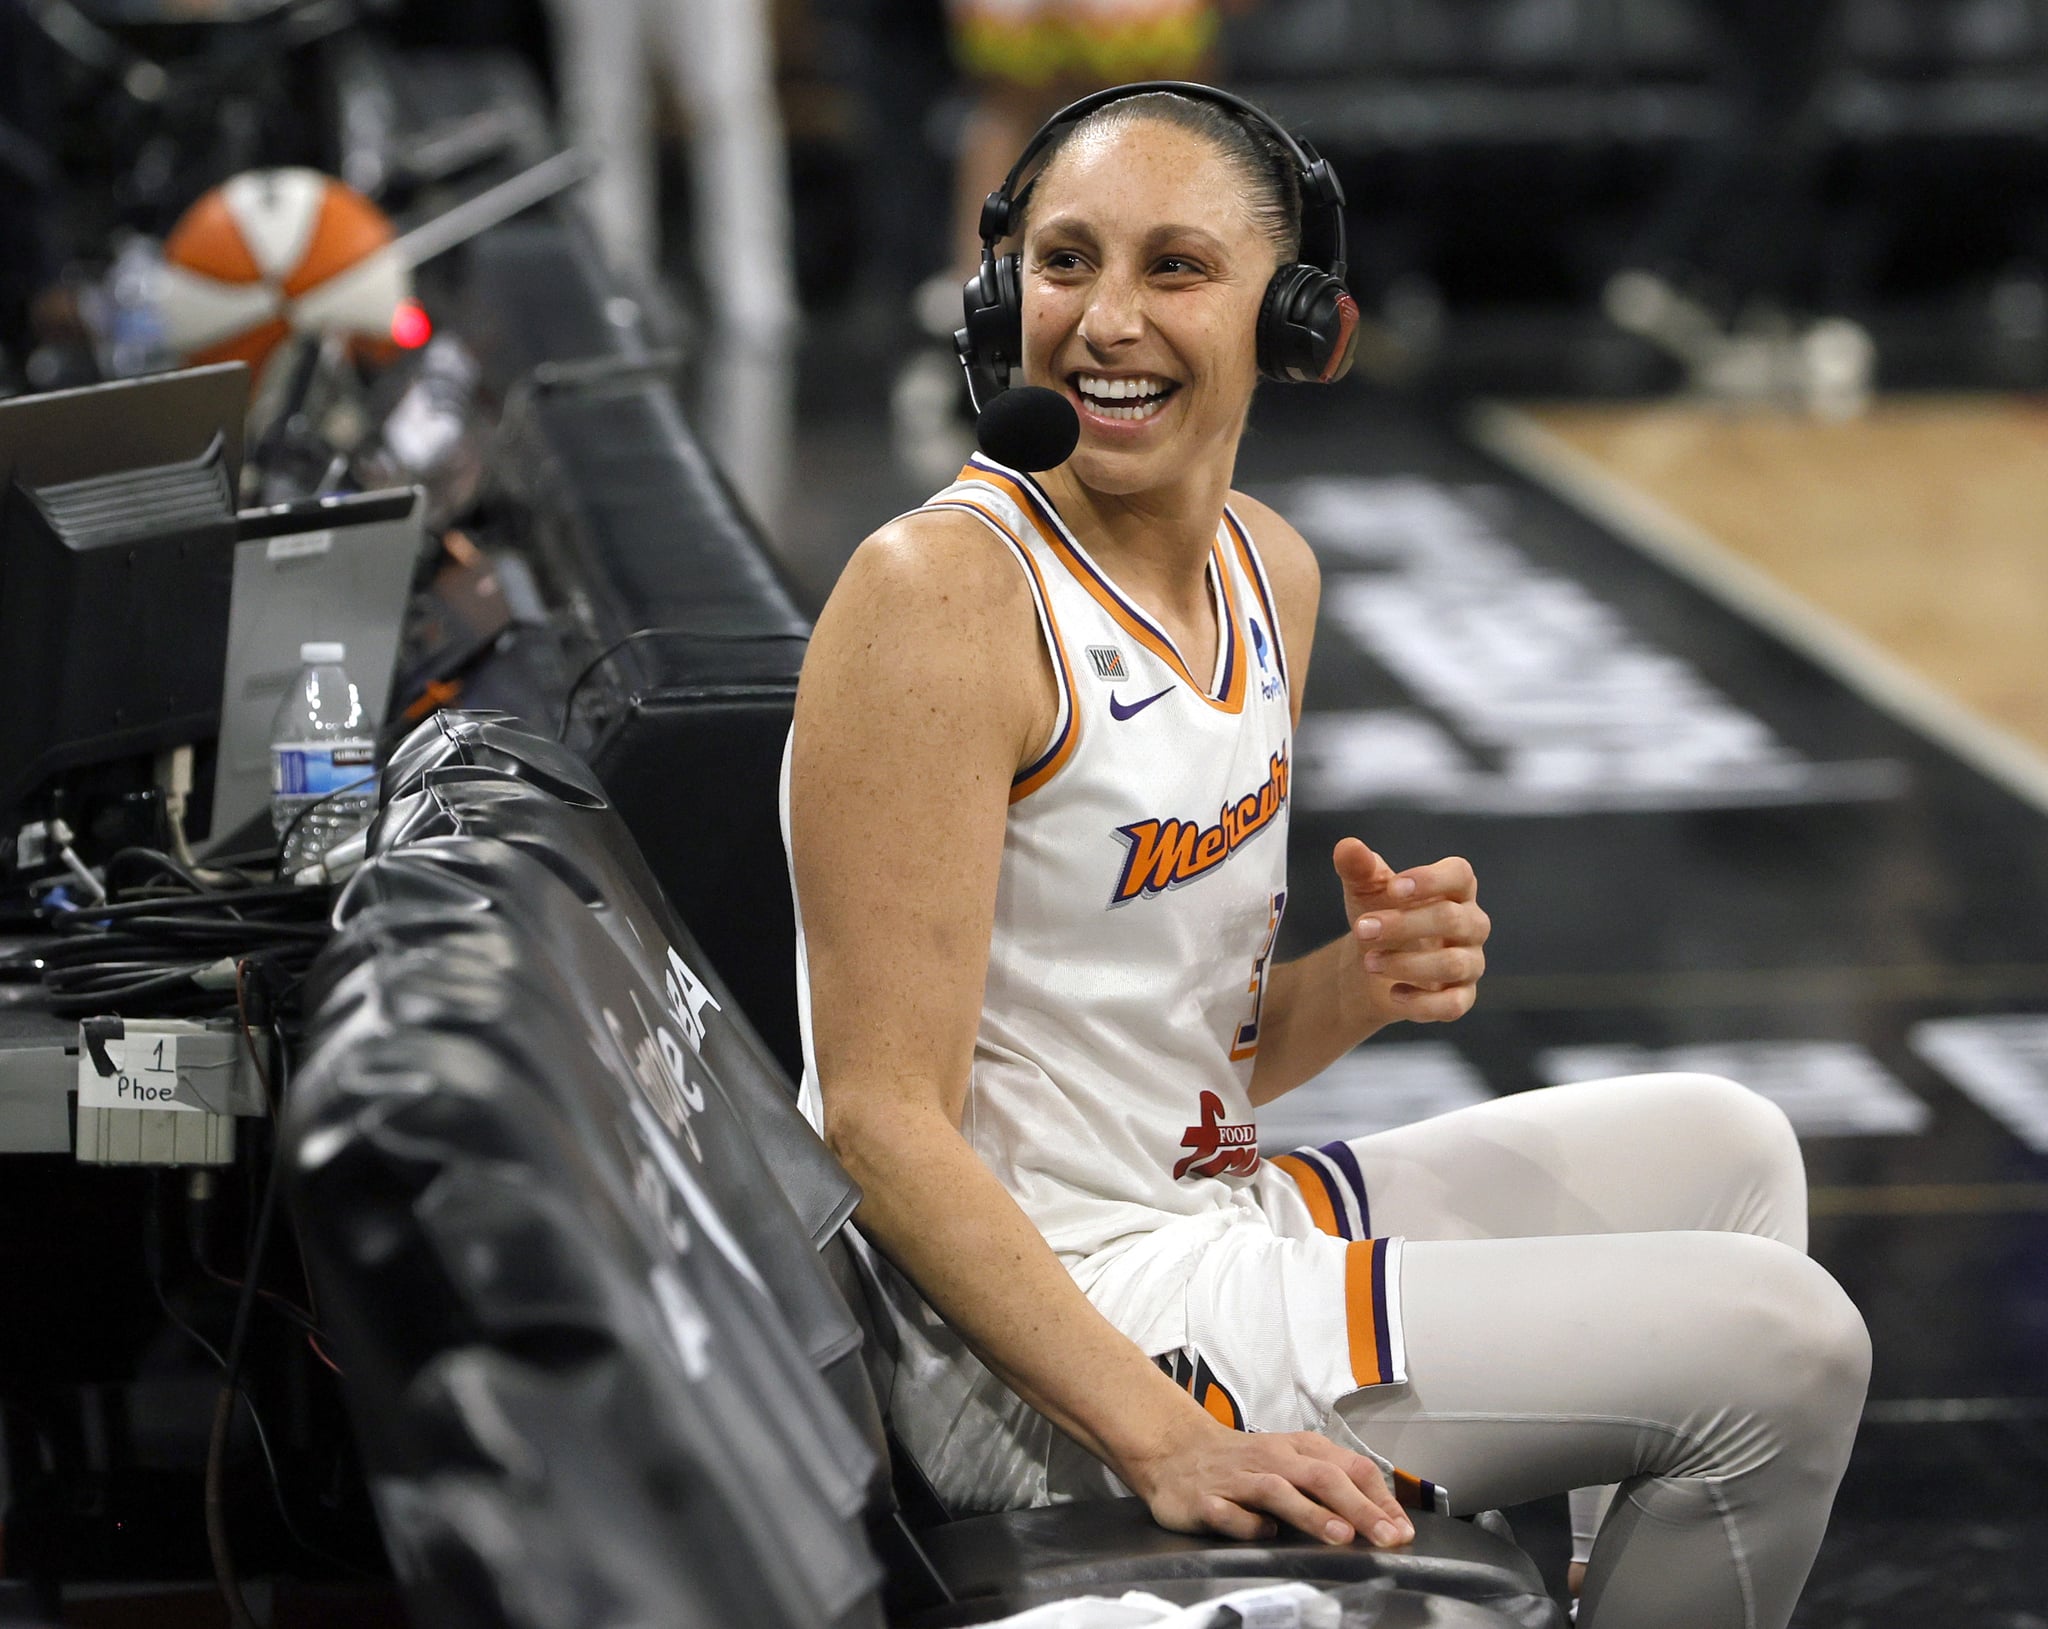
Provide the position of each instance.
(145, 1075)
(1247, 1042)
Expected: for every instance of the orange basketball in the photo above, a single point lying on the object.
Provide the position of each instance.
(276, 252)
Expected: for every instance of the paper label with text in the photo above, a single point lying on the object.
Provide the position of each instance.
(145, 1076)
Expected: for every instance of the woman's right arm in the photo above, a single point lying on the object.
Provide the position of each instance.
(925, 687)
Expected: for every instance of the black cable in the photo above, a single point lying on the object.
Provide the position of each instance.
(718, 636)
(153, 1262)
(158, 861)
(230, 1389)
(85, 999)
(241, 858)
(120, 910)
(148, 950)
(200, 932)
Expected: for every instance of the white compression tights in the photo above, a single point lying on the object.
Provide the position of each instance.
(1607, 1283)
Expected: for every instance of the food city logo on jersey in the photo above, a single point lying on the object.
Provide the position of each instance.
(1163, 854)
(1218, 1147)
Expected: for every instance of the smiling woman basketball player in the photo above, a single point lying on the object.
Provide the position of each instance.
(1037, 804)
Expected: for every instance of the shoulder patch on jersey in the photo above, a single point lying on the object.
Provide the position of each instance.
(1108, 662)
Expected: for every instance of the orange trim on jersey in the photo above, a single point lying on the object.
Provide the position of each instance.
(1050, 762)
(1314, 1194)
(1365, 1315)
(1126, 615)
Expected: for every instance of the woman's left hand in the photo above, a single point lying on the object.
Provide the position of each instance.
(1419, 935)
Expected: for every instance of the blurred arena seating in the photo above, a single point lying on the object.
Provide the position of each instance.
(1419, 72)
(1852, 156)
(1357, 74)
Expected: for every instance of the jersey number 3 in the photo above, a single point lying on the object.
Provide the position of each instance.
(1247, 1043)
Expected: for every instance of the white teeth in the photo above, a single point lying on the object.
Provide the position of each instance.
(1137, 410)
(1120, 389)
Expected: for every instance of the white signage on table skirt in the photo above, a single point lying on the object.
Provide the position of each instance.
(1526, 694)
(1826, 1088)
(145, 1076)
(1372, 1088)
(1999, 1062)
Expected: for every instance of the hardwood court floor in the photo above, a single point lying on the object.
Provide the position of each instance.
(1923, 525)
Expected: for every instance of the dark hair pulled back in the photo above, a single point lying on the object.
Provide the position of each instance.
(1272, 189)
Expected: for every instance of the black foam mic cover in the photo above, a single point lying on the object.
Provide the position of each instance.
(1029, 428)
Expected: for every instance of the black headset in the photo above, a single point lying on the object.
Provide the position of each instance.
(1308, 322)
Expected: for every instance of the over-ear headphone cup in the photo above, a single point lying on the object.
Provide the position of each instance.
(994, 303)
(1308, 327)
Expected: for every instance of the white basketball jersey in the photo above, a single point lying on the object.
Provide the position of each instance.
(1142, 884)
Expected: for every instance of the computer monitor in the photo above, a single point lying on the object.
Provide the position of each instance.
(335, 568)
(117, 540)
(74, 435)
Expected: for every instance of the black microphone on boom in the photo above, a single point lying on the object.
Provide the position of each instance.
(1029, 428)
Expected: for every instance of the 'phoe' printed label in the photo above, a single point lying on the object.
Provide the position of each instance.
(145, 1075)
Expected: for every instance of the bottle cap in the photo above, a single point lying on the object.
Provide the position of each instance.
(322, 653)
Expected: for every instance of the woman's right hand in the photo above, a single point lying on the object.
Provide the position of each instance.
(1206, 1477)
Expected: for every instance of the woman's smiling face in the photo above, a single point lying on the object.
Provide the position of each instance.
(1143, 272)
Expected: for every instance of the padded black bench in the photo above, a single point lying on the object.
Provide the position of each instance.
(589, 1282)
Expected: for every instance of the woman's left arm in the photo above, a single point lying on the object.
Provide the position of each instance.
(1414, 947)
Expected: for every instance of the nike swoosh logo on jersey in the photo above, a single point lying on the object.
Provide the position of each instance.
(1119, 711)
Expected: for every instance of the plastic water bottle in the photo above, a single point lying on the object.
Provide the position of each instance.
(126, 311)
(323, 760)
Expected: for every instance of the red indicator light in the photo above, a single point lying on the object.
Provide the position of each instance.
(411, 327)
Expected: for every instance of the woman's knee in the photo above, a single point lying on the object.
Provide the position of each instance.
(1803, 1349)
(1731, 1114)
(1747, 1136)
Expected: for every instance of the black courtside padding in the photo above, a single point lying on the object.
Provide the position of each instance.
(600, 1368)
(467, 772)
(578, 1399)
(574, 1404)
(684, 720)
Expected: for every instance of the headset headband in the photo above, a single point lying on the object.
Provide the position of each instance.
(1319, 183)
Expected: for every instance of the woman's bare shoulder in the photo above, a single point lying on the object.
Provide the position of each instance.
(935, 563)
(929, 640)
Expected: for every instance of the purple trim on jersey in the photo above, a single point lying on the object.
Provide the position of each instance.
(1383, 1339)
(1229, 624)
(1258, 576)
(1046, 626)
(1333, 1189)
(1046, 756)
(1035, 495)
(1340, 1155)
